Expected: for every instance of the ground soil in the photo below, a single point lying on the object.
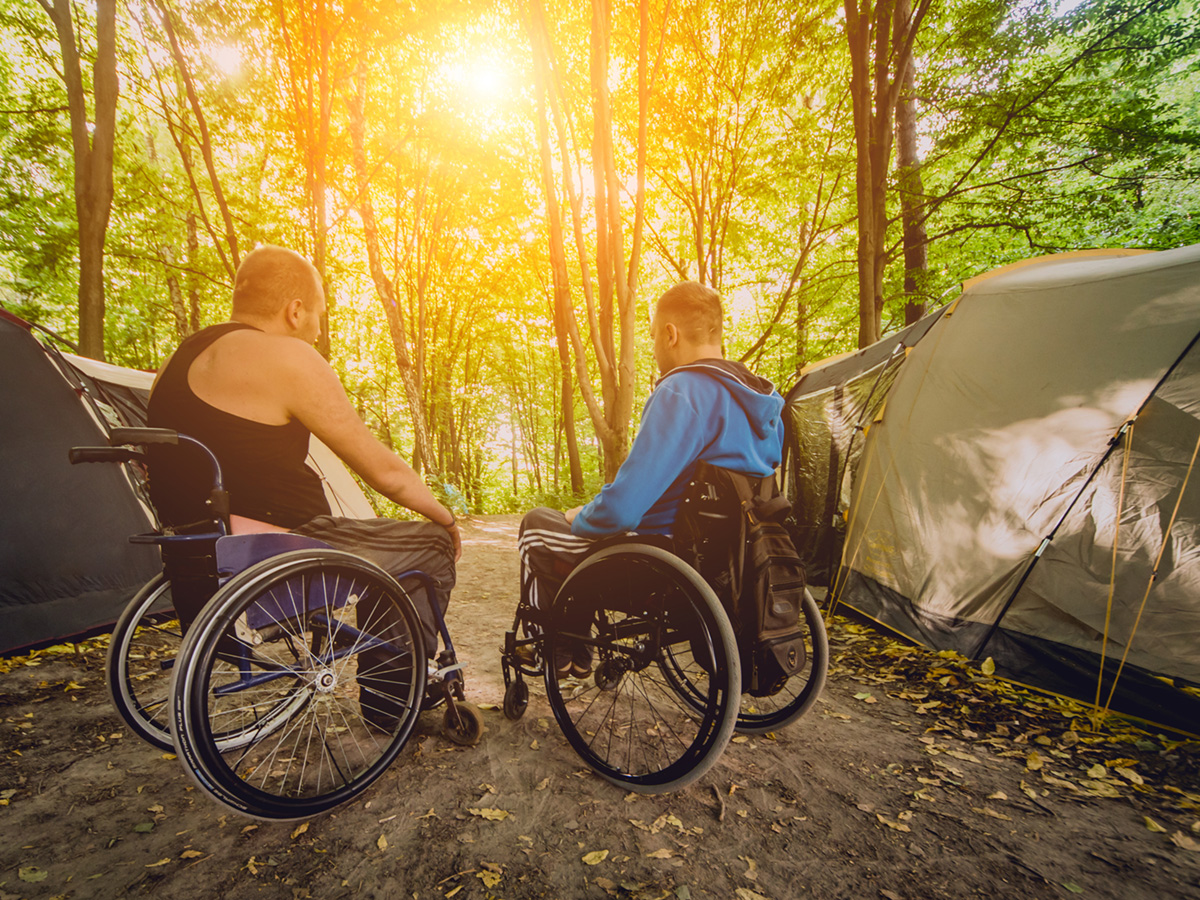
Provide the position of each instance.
(913, 777)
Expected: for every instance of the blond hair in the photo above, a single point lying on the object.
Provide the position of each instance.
(695, 310)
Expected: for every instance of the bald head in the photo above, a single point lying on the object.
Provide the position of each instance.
(268, 278)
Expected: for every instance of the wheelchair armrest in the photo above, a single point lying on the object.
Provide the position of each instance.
(105, 455)
(143, 436)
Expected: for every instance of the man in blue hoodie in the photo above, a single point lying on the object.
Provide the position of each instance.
(703, 409)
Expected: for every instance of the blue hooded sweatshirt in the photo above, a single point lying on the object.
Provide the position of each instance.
(714, 411)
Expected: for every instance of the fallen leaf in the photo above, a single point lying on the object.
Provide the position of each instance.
(747, 894)
(494, 815)
(1151, 825)
(1101, 788)
(988, 667)
(983, 810)
(191, 854)
(898, 826)
(32, 874)
(144, 827)
(1072, 887)
(1033, 761)
(1130, 775)
(595, 857)
(958, 754)
(865, 697)
(381, 843)
(1097, 771)
(999, 795)
(303, 827)
(161, 862)
(1179, 839)
(664, 853)
(490, 879)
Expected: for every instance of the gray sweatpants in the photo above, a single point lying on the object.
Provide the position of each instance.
(396, 547)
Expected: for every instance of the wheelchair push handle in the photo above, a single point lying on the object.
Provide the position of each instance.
(79, 455)
(145, 436)
(116, 453)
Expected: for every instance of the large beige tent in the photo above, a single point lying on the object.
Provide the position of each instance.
(1026, 489)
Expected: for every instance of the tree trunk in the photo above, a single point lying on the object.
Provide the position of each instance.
(383, 285)
(93, 156)
(912, 194)
(880, 38)
(612, 306)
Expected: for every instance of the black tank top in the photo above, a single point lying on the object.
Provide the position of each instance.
(263, 465)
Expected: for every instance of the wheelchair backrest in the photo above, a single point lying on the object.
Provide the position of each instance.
(730, 529)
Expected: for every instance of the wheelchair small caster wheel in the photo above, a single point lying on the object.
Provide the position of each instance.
(516, 699)
(463, 724)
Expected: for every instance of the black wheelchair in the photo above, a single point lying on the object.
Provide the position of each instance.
(666, 691)
(286, 675)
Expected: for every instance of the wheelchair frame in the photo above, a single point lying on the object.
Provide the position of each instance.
(230, 709)
(700, 702)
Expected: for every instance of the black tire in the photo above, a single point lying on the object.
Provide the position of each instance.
(463, 724)
(516, 699)
(315, 728)
(141, 657)
(759, 715)
(634, 605)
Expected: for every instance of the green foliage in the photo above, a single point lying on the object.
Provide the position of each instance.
(1040, 132)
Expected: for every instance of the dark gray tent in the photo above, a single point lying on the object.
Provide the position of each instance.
(1027, 490)
(66, 564)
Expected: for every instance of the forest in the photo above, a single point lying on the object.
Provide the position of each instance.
(495, 191)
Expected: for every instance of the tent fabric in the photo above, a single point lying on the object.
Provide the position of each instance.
(63, 569)
(129, 389)
(66, 565)
(1000, 476)
(827, 410)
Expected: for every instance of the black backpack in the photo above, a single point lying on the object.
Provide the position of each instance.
(730, 529)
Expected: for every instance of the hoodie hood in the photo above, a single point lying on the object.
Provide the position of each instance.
(755, 395)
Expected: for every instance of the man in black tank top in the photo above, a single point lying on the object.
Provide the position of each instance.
(253, 389)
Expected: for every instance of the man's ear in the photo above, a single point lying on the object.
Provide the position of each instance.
(672, 335)
(291, 312)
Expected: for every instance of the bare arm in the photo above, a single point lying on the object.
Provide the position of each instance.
(317, 399)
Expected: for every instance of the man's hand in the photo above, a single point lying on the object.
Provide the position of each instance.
(572, 513)
(455, 539)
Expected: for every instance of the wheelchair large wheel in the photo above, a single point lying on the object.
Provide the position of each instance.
(631, 607)
(759, 715)
(323, 626)
(141, 657)
(762, 714)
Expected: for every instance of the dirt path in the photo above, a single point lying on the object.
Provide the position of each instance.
(883, 791)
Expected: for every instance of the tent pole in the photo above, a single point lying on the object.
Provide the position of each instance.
(1112, 444)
